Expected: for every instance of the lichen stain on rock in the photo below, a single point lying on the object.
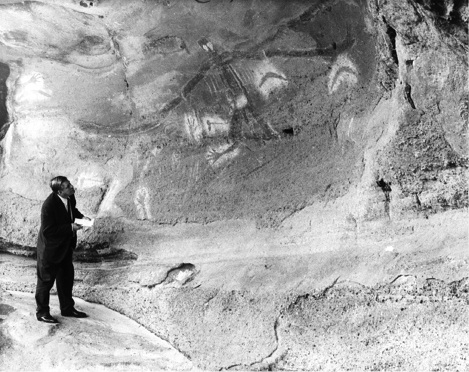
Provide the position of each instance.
(4, 117)
(94, 45)
(421, 161)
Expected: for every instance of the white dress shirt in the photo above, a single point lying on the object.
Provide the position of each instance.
(65, 201)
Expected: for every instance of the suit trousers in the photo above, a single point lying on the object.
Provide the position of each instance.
(63, 274)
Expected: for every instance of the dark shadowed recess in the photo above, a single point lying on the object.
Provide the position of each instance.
(4, 73)
(99, 253)
(17, 249)
(106, 254)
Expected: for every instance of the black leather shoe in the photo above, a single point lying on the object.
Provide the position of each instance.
(47, 319)
(74, 313)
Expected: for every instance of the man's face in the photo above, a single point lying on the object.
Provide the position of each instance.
(66, 190)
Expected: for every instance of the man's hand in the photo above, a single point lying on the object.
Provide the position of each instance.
(76, 227)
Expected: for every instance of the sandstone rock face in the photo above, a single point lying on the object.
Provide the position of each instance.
(240, 155)
(156, 121)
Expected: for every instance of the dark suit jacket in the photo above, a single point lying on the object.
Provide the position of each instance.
(56, 238)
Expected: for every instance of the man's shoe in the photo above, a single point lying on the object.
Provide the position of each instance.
(47, 319)
(74, 313)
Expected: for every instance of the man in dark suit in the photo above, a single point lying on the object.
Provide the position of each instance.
(55, 244)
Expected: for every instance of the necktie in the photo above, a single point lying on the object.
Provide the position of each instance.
(69, 208)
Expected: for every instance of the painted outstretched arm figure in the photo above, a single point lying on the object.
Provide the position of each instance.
(55, 244)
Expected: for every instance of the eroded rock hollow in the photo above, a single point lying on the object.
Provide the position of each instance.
(275, 184)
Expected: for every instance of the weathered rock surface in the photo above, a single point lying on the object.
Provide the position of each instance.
(240, 158)
(156, 121)
(393, 296)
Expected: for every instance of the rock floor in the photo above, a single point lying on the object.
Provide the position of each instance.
(105, 341)
(392, 296)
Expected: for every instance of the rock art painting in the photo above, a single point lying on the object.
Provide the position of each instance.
(233, 85)
(142, 199)
(239, 91)
(221, 106)
(162, 45)
(223, 154)
(30, 88)
(241, 84)
(142, 203)
(198, 127)
(343, 73)
(209, 93)
(240, 87)
(89, 179)
(268, 78)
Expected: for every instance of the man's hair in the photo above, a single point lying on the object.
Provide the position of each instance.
(56, 183)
